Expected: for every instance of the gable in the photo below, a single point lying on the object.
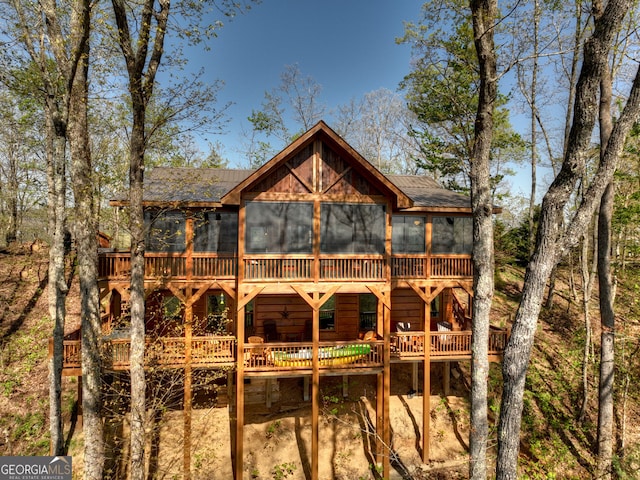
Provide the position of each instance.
(328, 173)
(318, 162)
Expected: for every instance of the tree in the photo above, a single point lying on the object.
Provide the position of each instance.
(56, 62)
(300, 94)
(142, 29)
(378, 126)
(552, 242)
(442, 91)
(484, 15)
(21, 166)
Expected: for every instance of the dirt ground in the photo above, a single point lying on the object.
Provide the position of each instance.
(277, 440)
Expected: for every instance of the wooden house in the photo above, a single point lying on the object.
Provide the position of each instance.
(322, 264)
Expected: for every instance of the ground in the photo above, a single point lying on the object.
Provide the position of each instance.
(277, 439)
(554, 444)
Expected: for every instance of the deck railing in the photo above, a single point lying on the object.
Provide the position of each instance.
(445, 344)
(299, 355)
(167, 352)
(217, 351)
(117, 265)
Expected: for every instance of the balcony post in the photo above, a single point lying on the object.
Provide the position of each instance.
(188, 335)
(426, 383)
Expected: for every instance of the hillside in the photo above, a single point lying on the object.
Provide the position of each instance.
(554, 444)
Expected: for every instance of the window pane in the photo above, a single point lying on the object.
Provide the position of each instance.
(216, 232)
(352, 228)
(328, 314)
(165, 231)
(368, 311)
(408, 234)
(452, 235)
(279, 227)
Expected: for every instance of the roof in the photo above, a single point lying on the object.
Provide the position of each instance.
(202, 187)
(187, 185)
(426, 192)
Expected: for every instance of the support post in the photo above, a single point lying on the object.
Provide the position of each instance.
(446, 378)
(315, 395)
(426, 385)
(188, 334)
(239, 398)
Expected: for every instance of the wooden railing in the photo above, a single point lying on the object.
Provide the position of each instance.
(214, 266)
(167, 265)
(215, 351)
(450, 266)
(299, 355)
(261, 267)
(162, 352)
(461, 312)
(455, 344)
(347, 268)
(290, 267)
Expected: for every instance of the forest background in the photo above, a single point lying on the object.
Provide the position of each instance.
(428, 126)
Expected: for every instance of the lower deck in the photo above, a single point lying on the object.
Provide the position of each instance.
(288, 358)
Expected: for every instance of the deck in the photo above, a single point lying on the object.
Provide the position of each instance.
(301, 268)
(287, 358)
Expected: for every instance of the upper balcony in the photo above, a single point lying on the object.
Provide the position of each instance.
(297, 268)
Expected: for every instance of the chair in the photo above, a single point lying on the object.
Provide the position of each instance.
(256, 354)
(271, 331)
(370, 336)
(444, 340)
(404, 341)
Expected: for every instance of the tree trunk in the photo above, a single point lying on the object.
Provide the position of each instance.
(534, 158)
(484, 14)
(136, 302)
(588, 279)
(607, 314)
(551, 243)
(87, 250)
(607, 347)
(138, 55)
(57, 288)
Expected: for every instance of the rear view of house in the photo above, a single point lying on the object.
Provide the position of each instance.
(315, 264)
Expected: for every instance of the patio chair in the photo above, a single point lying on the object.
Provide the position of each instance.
(257, 354)
(370, 336)
(445, 341)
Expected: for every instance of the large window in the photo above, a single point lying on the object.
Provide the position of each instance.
(279, 227)
(165, 230)
(408, 234)
(452, 235)
(352, 228)
(215, 232)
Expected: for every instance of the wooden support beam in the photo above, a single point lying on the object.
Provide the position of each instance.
(386, 436)
(305, 388)
(379, 447)
(426, 386)
(267, 392)
(238, 465)
(187, 404)
(315, 392)
(446, 378)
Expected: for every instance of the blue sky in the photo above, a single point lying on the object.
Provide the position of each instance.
(347, 46)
